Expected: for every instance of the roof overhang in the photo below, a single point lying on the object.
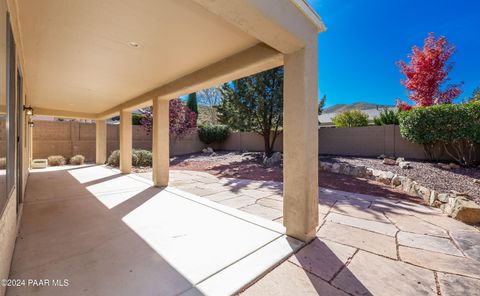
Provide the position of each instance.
(77, 61)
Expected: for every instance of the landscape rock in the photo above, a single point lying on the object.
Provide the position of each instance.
(229, 172)
(399, 160)
(404, 165)
(207, 150)
(443, 197)
(344, 169)
(444, 166)
(433, 198)
(407, 184)
(453, 166)
(385, 178)
(424, 193)
(414, 188)
(359, 171)
(336, 168)
(389, 161)
(397, 180)
(325, 166)
(466, 211)
(381, 156)
(273, 160)
(369, 172)
(476, 181)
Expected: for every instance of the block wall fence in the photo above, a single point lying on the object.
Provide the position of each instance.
(68, 138)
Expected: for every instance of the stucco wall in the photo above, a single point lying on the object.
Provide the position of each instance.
(8, 230)
(369, 141)
(70, 138)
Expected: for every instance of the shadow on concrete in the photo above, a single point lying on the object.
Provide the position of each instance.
(322, 266)
(82, 241)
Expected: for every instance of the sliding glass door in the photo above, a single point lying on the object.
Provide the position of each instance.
(10, 103)
(3, 105)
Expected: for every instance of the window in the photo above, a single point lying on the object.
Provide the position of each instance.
(3, 106)
(11, 109)
(8, 108)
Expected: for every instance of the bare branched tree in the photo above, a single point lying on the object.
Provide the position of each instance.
(210, 98)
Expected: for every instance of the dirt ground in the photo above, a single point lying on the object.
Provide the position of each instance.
(249, 166)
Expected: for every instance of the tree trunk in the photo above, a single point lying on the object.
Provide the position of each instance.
(266, 141)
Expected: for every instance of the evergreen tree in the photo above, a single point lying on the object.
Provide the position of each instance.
(192, 103)
(321, 104)
(254, 103)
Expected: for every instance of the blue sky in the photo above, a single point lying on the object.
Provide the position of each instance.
(364, 39)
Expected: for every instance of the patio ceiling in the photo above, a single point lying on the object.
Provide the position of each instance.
(77, 57)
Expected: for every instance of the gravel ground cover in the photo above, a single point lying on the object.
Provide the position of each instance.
(427, 174)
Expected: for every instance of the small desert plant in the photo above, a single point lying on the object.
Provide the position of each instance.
(3, 163)
(139, 158)
(142, 158)
(56, 160)
(114, 158)
(387, 116)
(77, 159)
(213, 133)
(351, 118)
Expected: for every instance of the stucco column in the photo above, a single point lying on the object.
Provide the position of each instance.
(100, 141)
(30, 143)
(160, 143)
(125, 141)
(300, 143)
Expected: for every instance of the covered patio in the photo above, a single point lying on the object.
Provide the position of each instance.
(112, 233)
(119, 58)
(108, 233)
(94, 230)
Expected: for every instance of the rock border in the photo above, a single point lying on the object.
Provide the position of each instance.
(454, 204)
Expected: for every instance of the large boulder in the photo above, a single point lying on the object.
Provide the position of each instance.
(274, 160)
(466, 211)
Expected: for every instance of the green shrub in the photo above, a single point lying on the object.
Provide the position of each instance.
(56, 160)
(386, 117)
(142, 158)
(136, 118)
(213, 133)
(453, 127)
(139, 158)
(77, 159)
(351, 118)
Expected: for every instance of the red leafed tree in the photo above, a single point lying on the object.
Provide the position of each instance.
(182, 120)
(427, 71)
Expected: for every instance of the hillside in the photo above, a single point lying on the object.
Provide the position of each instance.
(358, 105)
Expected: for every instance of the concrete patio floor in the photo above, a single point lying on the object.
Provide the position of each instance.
(113, 234)
(366, 245)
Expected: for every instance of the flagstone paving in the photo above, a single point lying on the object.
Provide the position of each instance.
(365, 245)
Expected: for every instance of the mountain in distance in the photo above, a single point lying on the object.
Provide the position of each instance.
(358, 105)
